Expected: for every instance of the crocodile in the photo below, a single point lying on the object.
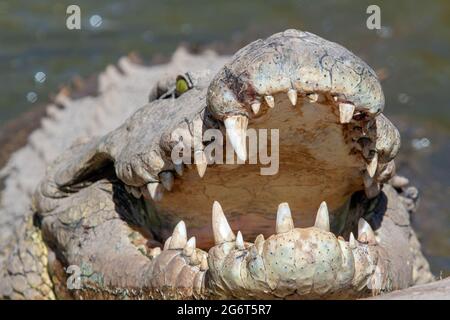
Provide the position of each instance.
(112, 214)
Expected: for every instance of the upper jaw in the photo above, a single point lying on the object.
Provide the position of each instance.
(296, 63)
(301, 66)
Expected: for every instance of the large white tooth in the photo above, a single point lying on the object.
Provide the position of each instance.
(365, 229)
(179, 168)
(179, 236)
(236, 127)
(372, 165)
(292, 95)
(239, 241)
(284, 218)
(255, 107)
(270, 101)
(201, 169)
(166, 178)
(323, 218)
(201, 162)
(189, 247)
(352, 241)
(155, 191)
(259, 244)
(221, 229)
(346, 112)
(167, 243)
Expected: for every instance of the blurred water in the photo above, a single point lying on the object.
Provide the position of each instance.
(411, 53)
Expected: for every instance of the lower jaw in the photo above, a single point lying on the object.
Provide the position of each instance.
(317, 163)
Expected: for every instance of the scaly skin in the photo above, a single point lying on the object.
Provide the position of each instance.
(92, 215)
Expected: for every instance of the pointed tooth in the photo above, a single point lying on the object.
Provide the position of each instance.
(364, 228)
(270, 101)
(189, 248)
(204, 263)
(372, 166)
(323, 217)
(201, 169)
(292, 95)
(128, 188)
(255, 107)
(284, 219)
(221, 228)
(200, 162)
(179, 168)
(346, 111)
(352, 241)
(259, 244)
(166, 178)
(155, 191)
(313, 97)
(236, 127)
(239, 241)
(179, 236)
(167, 243)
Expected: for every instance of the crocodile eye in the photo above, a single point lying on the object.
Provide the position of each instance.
(183, 84)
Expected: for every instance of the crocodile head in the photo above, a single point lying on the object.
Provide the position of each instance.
(314, 104)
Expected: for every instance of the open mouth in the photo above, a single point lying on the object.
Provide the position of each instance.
(327, 147)
(320, 159)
